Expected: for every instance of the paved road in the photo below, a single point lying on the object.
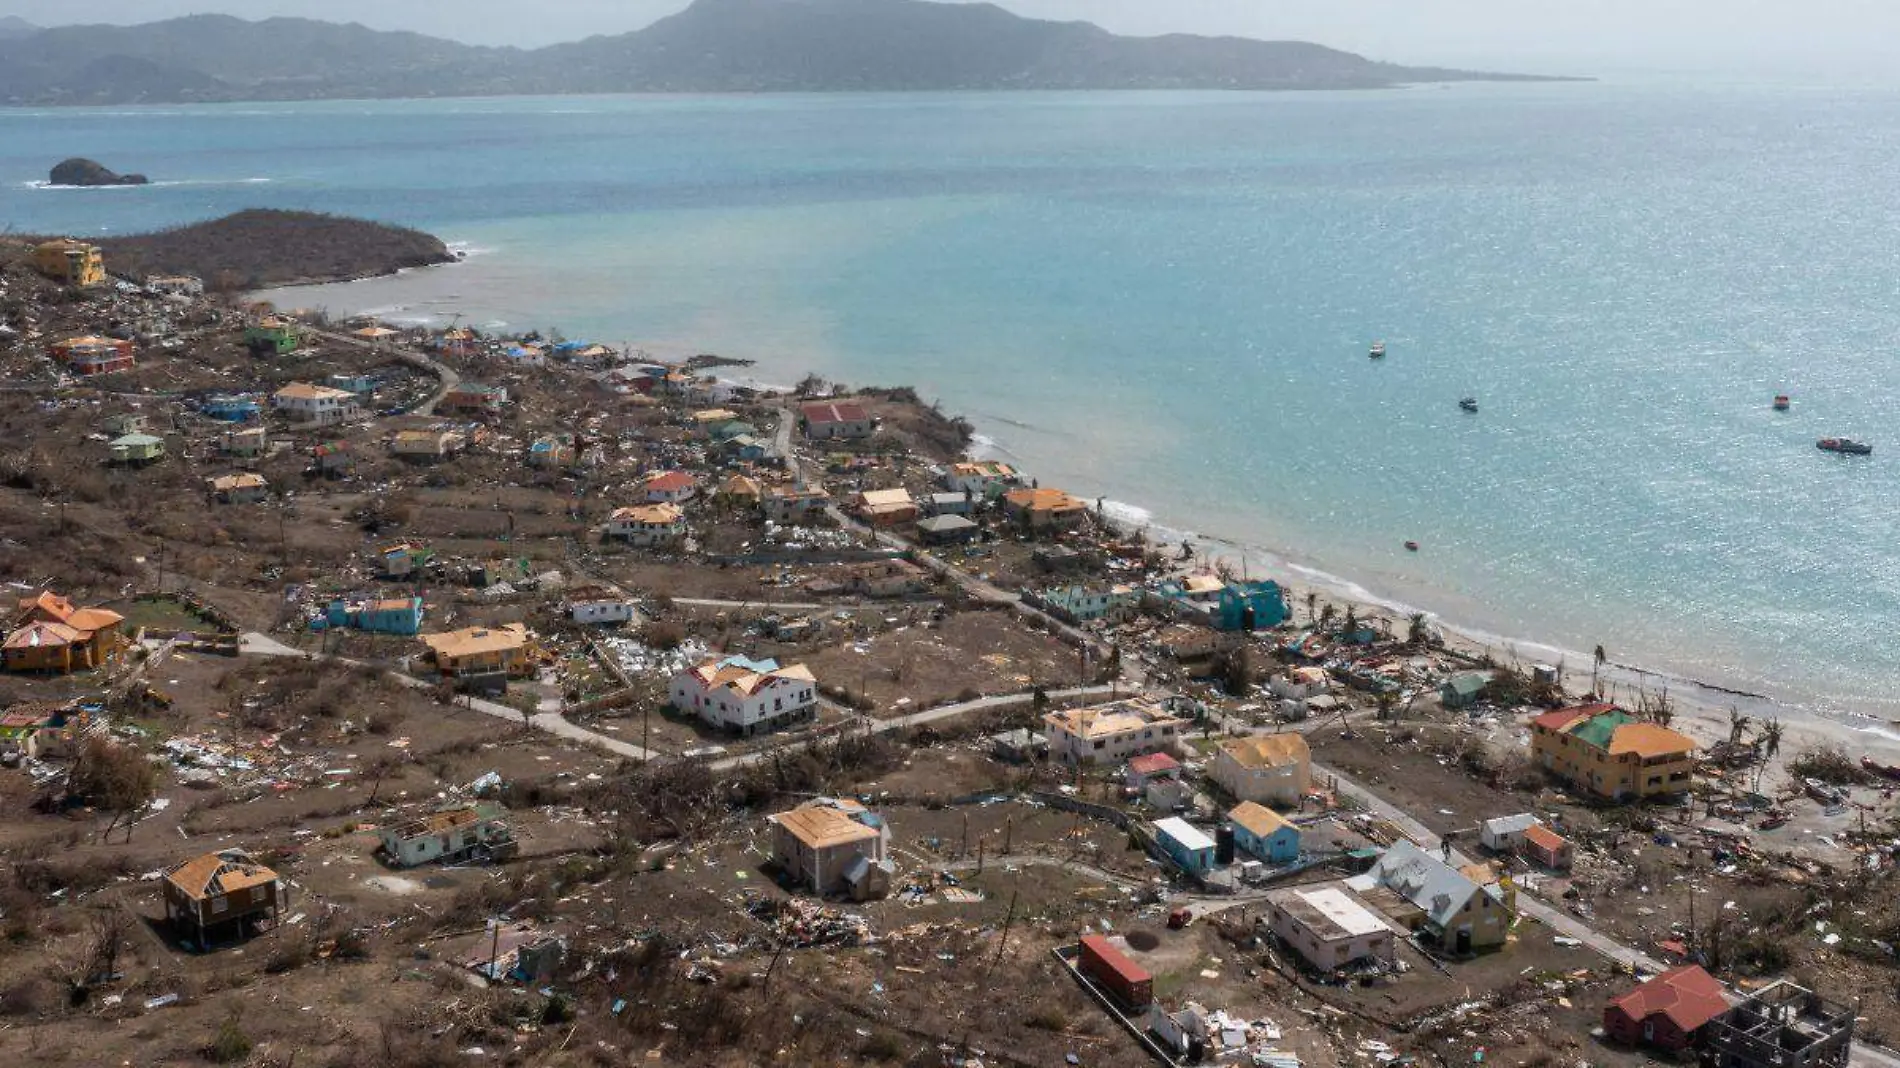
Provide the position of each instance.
(552, 722)
(549, 722)
(1562, 922)
(446, 378)
(1863, 1055)
(917, 719)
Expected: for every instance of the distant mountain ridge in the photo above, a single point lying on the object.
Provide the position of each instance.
(15, 26)
(713, 46)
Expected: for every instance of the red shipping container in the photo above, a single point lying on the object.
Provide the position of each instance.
(1127, 982)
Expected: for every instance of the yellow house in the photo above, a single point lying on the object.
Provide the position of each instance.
(482, 650)
(73, 262)
(1612, 754)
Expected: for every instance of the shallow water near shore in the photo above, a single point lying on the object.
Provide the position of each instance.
(1166, 299)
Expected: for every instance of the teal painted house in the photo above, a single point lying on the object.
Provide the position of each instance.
(1250, 606)
(397, 615)
(1264, 833)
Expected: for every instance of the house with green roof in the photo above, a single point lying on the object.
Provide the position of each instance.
(1613, 754)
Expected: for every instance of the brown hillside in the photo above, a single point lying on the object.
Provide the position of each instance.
(260, 247)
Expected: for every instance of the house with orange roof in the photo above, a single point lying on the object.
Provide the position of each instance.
(50, 634)
(1044, 509)
(1546, 848)
(503, 650)
(647, 524)
(833, 846)
(746, 696)
(885, 507)
(222, 896)
(1611, 753)
(306, 402)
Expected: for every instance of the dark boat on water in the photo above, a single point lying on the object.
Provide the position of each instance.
(1845, 446)
(1469, 404)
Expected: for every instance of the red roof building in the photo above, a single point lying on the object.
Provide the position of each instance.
(825, 422)
(1148, 767)
(1564, 717)
(669, 487)
(1669, 1011)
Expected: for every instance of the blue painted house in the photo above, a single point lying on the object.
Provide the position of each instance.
(1264, 833)
(231, 408)
(398, 615)
(1185, 844)
(1250, 606)
(353, 383)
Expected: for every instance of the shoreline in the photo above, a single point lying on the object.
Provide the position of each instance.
(1702, 704)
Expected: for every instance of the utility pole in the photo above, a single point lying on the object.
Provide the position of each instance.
(1002, 943)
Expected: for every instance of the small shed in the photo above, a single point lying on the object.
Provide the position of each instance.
(1185, 844)
(1150, 767)
(1505, 833)
(1547, 848)
(1463, 689)
(137, 449)
(946, 530)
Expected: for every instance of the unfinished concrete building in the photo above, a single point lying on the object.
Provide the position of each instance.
(1781, 1026)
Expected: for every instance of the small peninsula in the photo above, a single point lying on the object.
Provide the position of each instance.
(85, 172)
(260, 248)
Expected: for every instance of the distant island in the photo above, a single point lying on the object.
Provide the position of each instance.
(262, 248)
(85, 172)
(714, 46)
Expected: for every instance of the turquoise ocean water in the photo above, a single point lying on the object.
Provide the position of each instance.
(1167, 299)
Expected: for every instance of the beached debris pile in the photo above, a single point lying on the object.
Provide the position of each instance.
(803, 924)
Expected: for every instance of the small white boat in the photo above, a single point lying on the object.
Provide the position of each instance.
(1378, 350)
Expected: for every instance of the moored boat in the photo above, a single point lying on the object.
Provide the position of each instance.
(1847, 446)
(1885, 771)
(1469, 404)
(1378, 350)
(1782, 402)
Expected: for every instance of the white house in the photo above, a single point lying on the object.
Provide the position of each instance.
(598, 606)
(984, 479)
(1268, 768)
(836, 422)
(746, 696)
(1110, 734)
(1505, 834)
(1300, 683)
(303, 402)
(669, 487)
(789, 503)
(1086, 603)
(451, 835)
(1328, 927)
(647, 524)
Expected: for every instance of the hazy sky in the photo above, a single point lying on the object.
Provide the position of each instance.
(1795, 36)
